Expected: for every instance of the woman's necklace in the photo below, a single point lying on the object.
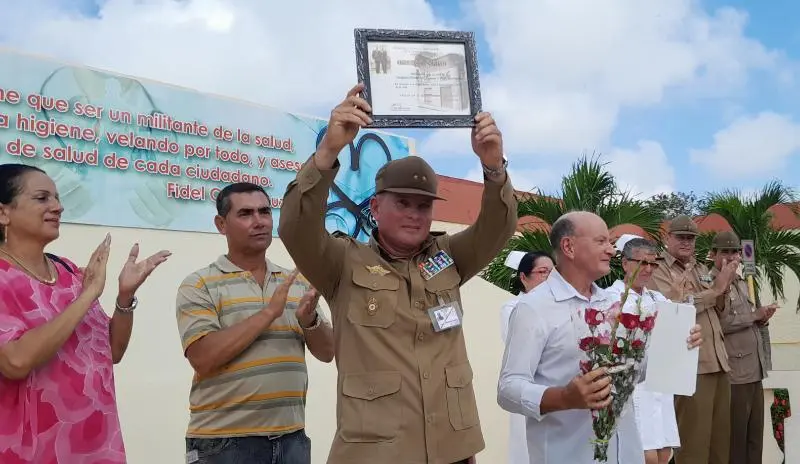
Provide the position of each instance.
(50, 269)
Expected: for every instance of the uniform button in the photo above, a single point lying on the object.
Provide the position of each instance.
(429, 419)
(417, 304)
(374, 284)
(425, 375)
(370, 390)
(420, 336)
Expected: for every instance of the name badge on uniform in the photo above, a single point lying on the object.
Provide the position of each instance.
(706, 278)
(435, 264)
(445, 316)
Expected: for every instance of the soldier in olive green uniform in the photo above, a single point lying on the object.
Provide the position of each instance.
(740, 323)
(405, 392)
(704, 418)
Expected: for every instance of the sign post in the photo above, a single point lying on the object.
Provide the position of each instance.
(749, 262)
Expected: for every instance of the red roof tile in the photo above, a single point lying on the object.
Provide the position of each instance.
(464, 202)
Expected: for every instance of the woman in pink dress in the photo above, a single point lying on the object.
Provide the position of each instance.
(57, 345)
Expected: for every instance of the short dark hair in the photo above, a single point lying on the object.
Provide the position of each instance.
(11, 176)
(563, 227)
(525, 267)
(636, 244)
(224, 196)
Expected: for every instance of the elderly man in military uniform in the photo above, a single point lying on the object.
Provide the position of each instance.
(405, 392)
(704, 418)
(740, 323)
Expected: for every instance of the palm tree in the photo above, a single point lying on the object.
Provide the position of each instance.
(588, 187)
(776, 250)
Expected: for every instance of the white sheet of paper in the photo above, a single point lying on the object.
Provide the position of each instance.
(671, 367)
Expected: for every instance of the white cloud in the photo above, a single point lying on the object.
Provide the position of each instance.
(751, 145)
(295, 55)
(565, 69)
(643, 171)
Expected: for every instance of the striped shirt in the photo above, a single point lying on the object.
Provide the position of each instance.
(263, 390)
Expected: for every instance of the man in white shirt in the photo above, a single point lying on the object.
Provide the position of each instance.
(540, 377)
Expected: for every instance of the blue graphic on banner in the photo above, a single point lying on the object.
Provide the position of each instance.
(134, 153)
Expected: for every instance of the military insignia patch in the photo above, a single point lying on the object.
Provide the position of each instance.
(377, 270)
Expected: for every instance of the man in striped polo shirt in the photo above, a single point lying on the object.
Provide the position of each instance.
(244, 323)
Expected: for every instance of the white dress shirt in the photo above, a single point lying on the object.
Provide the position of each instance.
(541, 352)
(517, 442)
(654, 412)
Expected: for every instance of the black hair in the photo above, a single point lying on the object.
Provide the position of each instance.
(224, 196)
(526, 265)
(11, 175)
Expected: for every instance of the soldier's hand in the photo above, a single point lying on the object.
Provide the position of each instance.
(695, 337)
(589, 391)
(346, 119)
(726, 275)
(487, 141)
(277, 304)
(679, 287)
(766, 312)
(307, 308)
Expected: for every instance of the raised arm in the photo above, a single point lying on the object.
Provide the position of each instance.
(474, 247)
(22, 348)
(677, 289)
(207, 345)
(317, 254)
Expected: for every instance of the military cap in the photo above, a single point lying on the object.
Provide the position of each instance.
(727, 240)
(411, 175)
(683, 225)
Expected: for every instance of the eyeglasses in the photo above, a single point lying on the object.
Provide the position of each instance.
(643, 263)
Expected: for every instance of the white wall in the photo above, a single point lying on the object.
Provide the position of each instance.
(153, 380)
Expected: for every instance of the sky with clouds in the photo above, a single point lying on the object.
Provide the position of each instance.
(676, 95)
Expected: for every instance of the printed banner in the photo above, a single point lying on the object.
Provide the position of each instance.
(135, 153)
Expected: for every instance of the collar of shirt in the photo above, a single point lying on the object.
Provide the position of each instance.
(377, 248)
(225, 265)
(563, 290)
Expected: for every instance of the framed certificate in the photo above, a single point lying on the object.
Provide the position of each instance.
(418, 79)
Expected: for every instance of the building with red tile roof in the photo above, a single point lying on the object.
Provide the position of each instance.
(464, 201)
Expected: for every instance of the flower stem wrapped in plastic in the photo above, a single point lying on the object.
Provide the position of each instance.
(614, 338)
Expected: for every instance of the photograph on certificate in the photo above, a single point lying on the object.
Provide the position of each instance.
(418, 78)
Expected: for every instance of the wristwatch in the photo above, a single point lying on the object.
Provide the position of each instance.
(315, 324)
(495, 172)
(129, 309)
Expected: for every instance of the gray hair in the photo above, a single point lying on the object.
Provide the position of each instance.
(563, 227)
(638, 244)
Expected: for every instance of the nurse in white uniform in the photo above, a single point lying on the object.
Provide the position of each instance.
(655, 412)
(531, 268)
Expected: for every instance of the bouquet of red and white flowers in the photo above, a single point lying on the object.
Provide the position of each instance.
(616, 338)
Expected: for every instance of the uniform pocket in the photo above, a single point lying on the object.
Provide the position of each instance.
(461, 405)
(444, 287)
(744, 365)
(371, 408)
(373, 300)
